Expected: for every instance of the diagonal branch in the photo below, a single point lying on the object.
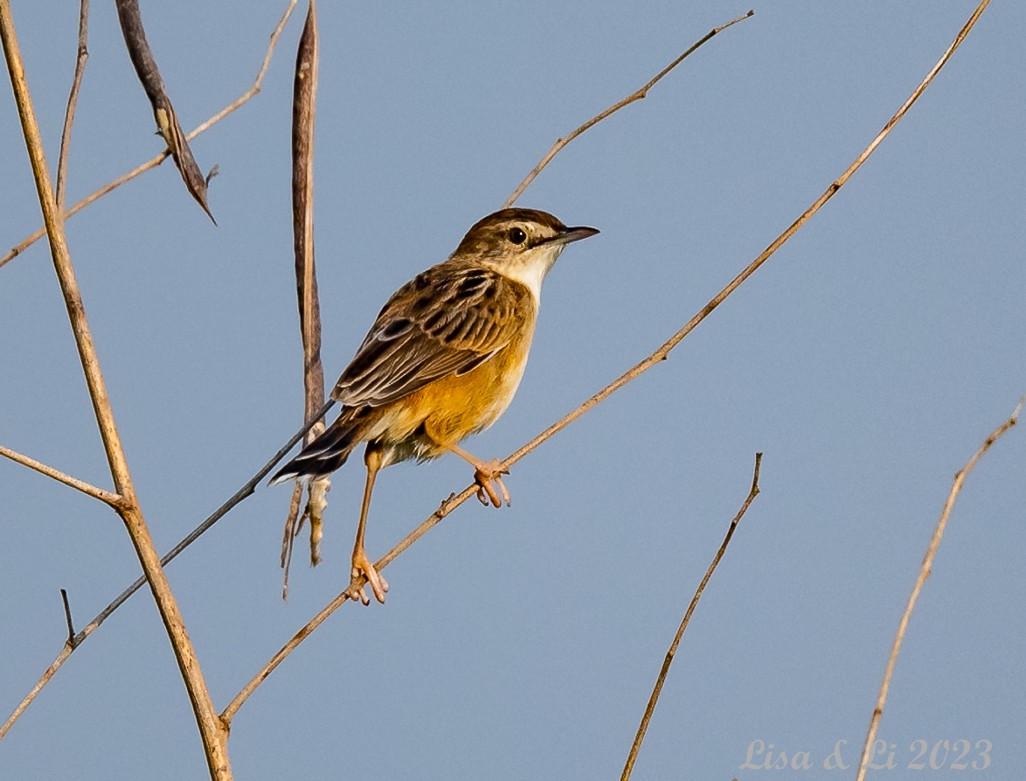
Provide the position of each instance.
(88, 489)
(153, 162)
(924, 573)
(668, 660)
(634, 96)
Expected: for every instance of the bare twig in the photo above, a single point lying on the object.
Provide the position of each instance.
(657, 690)
(73, 482)
(194, 535)
(67, 617)
(634, 96)
(446, 507)
(48, 673)
(163, 112)
(924, 573)
(69, 114)
(153, 162)
(212, 732)
(304, 102)
(233, 707)
(644, 365)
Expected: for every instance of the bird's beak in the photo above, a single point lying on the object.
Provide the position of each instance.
(575, 234)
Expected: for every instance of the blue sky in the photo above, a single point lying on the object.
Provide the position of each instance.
(867, 361)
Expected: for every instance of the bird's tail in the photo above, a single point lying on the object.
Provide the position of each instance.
(330, 450)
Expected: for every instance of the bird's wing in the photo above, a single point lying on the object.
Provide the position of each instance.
(448, 320)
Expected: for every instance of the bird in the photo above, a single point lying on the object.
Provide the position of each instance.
(441, 362)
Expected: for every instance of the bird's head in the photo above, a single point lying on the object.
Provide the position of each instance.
(521, 244)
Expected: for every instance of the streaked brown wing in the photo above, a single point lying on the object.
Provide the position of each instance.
(447, 320)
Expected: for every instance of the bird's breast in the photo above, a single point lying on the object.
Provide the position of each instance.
(456, 406)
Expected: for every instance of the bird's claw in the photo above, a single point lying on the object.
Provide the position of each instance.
(487, 476)
(363, 569)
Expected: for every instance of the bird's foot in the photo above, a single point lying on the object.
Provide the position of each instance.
(363, 569)
(488, 475)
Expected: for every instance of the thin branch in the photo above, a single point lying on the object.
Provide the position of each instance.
(633, 97)
(44, 679)
(153, 162)
(446, 507)
(103, 615)
(114, 500)
(233, 707)
(69, 113)
(644, 365)
(924, 573)
(657, 690)
(163, 111)
(212, 732)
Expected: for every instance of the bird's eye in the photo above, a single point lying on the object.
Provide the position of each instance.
(517, 235)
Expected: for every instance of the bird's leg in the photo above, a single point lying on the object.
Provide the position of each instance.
(362, 566)
(485, 474)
